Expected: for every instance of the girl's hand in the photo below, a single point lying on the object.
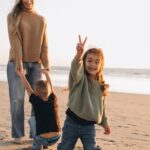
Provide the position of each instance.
(80, 48)
(107, 130)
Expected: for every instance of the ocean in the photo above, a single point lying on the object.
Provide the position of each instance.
(120, 80)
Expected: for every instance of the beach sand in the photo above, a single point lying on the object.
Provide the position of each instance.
(129, 119)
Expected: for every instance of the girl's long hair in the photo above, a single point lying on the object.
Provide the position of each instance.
(98, 52)
(99, 75)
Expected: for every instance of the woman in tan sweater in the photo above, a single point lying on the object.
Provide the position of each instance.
(29, 51)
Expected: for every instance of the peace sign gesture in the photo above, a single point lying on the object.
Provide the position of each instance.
(80, 48)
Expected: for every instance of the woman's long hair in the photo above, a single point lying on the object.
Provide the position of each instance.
(18, 7)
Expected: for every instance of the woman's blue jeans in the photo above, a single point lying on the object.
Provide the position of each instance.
(17, 93)
(39, 141)
(72, 131)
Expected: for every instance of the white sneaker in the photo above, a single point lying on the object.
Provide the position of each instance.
(18, 141)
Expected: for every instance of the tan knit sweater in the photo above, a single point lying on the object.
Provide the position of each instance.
(28, 39)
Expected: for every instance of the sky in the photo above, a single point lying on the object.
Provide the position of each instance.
(120, 27)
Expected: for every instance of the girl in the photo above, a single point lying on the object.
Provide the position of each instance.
(29, 50)
(86, 105)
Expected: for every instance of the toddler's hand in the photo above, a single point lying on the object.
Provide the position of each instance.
(21, 72)
(44, 71)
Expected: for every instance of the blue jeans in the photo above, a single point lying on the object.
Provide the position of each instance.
(39, 141)
(72, 131)
(17, 93)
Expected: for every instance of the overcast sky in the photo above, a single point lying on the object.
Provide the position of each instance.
(120, 27)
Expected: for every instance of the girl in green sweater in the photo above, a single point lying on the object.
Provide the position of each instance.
(86, 105)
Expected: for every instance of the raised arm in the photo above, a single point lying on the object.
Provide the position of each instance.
(25, 82)
(46, 73)
(77, 68)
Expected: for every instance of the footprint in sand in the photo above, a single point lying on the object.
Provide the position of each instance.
(3, 136)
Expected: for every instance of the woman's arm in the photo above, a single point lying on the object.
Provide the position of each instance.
(44, 51)
(15, 42)
(46, 73)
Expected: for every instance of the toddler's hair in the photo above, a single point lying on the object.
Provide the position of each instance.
(41, 87)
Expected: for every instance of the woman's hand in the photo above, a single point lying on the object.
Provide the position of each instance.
(21, 72)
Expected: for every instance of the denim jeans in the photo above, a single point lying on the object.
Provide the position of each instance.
(39, 141)
(17, 92)
(72, 131)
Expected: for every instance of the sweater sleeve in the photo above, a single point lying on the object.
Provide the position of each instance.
(76, 72)
(104, 117)
(15, 42)
(44, 52)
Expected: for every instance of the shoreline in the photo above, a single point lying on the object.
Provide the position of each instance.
(128, 118)
(61, 87)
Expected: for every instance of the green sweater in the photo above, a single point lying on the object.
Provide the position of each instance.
(85, 97)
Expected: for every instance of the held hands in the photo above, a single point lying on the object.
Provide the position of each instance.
(19, 68)
(45, 72)
(21, 72)
(80, 48)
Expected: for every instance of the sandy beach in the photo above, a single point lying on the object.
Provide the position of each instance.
(129, 119)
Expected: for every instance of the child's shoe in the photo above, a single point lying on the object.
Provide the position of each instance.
(45, 147)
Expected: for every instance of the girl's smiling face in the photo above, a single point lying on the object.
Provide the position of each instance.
(92, 64)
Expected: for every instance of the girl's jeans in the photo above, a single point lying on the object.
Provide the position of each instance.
(72, 131)
(39, 141)
(17, 92)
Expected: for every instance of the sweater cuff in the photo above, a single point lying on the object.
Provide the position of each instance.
(103, 123)
(76, 61)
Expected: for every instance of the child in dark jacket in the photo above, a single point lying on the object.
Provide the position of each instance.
(45, 124)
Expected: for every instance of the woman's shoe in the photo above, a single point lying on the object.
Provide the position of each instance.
(18, 141)
(98, 147)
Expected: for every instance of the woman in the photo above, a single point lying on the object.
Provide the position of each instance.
(29, 50)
